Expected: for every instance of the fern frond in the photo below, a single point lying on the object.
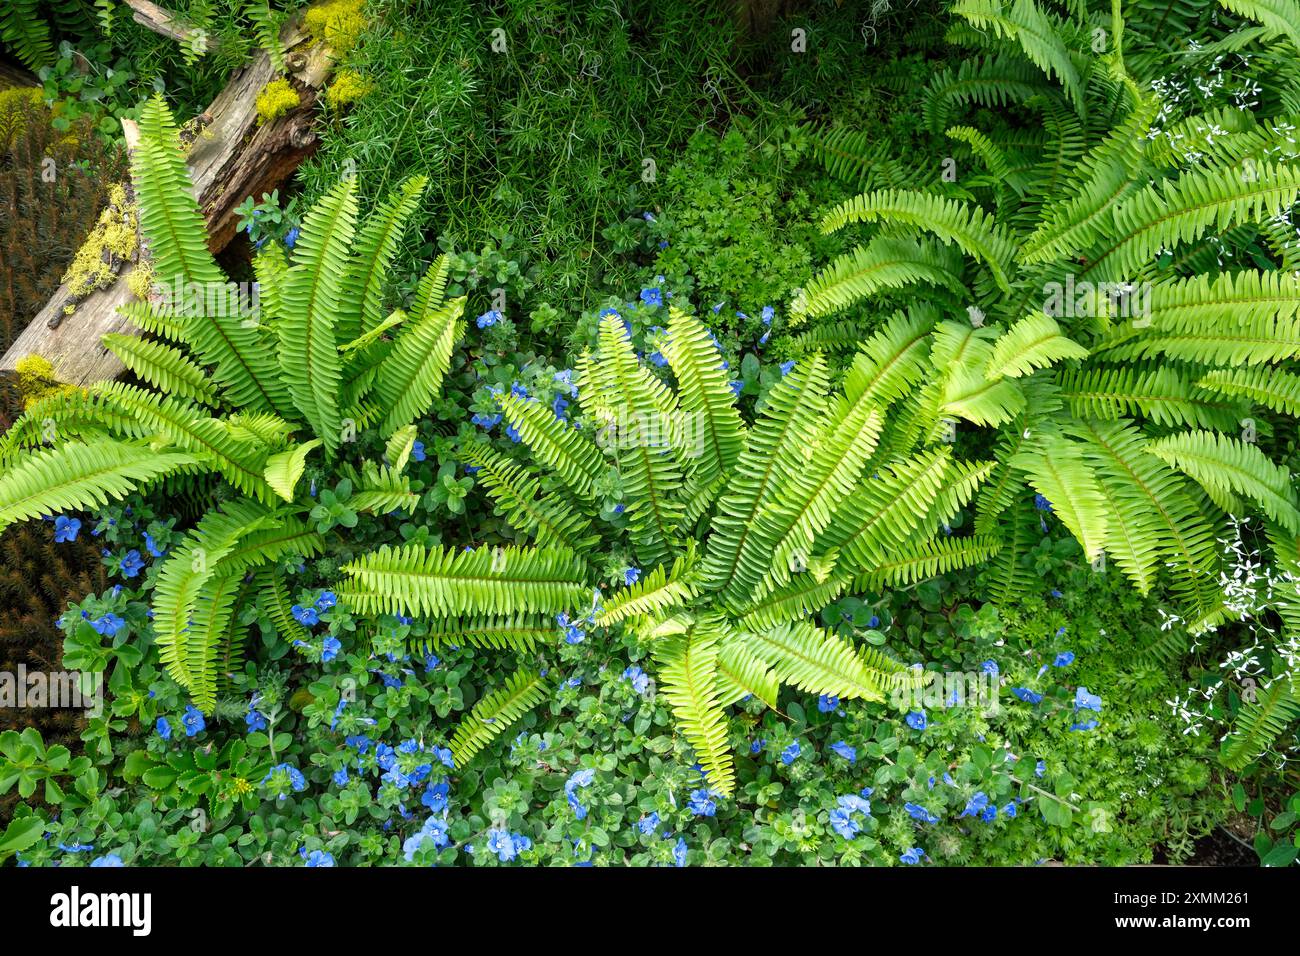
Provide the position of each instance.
(521, 692)
(441, 582)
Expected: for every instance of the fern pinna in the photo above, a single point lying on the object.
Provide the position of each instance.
(244, 395)
(743, 530)
(1112, 304)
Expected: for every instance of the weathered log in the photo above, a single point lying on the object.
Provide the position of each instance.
(233, 158)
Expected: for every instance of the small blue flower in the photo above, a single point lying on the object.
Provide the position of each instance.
(108, 625)
(151, 546)
(786, 366)
(341, 777)
(652, 297)
(737, 387)
(639, 678)
(791, 753)
(163, 728)
(912, 856)
(580, 778)
(254, 720)
(844, 823)
(132, 564)
(507, 846)
(976, 804)
(306, 616)
(757, 746)
(330, 649)
(327, 600)
(1042, 504)
(291, 237)
(918, 812)
(631, 576)
(1064, 659)
(844, 750)
(767, 314)
(1027, 695)
(702, 803)
(193, 720)
(1040, 768)
(917, 720)
(1010, 810)
(679, 852)
(990, 667)
(647, 824)
(66, 529)
(827, 703)
(488, 318)
(108, 860)
(1086, 701)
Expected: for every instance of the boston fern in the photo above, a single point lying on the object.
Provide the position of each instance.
(243, 396)
(745, 530)
(1114, 302)
(1114, 298)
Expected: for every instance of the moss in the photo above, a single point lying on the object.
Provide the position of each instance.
(111, 242)
(276, 99)
(337, 24)
(348, 87)
(15, 108)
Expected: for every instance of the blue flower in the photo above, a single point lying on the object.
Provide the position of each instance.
(647, 824)
(507, 846)
(580, 778)
(1010, 810)
(435, 796)
(163, 728)
(108, 625)
(341, 777)
(488, 318)
(307, 616)
(330, 649)
(918, 812)
(766, 314)
(976, 804)
(843, 823)
(791, 753)
(652, 297)
(786, 366)
(254, 719)
(737, 387)
(1040, 768)
(560, 406)
(912, 856)
(109, 860)
(132, 564)
(66, 529)
(296, 780)
(917, 720)
(1085, 701)
(679, 852)
(631, 576)
(702, 803)
(1064, 659)
(990, 813)
(151, 546)
(827, 703)
(757, 746)
(1042, 504)
(844, 750)
(193, 720)
(1027, 695)
(990, 667)
(1086, 725)
(639, 678)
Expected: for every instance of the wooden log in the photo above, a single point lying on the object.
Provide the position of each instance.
(233, 158)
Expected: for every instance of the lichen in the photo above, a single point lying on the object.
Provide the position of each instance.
(276, 99)
(338, 24)
(112, 242)
(348, 87)
(36, 379)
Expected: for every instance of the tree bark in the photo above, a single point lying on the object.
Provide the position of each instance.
(232, 159)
